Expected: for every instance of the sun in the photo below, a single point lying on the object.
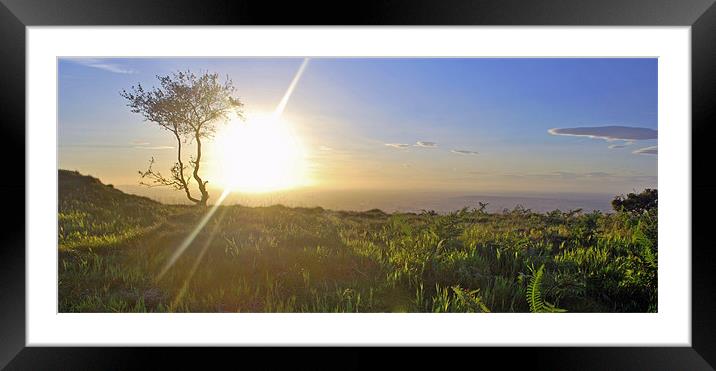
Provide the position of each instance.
(261, 154)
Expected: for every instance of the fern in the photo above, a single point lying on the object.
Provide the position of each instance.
(534, 294)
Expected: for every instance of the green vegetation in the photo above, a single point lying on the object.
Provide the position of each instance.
(636, 201)
(92, 214)
(280, 259)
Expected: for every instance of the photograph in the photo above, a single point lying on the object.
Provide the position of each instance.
(357, 184)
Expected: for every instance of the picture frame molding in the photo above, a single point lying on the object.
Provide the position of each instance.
(16, 15)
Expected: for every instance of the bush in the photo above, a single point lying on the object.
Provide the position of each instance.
(643, 201)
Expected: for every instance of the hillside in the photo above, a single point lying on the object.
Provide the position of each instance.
(114, 248)
(93, 214)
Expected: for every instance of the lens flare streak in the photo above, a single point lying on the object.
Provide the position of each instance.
(182, 291)
(190, 238)
(284, 101)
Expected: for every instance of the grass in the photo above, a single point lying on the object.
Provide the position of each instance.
(92, 214)
(280, 259)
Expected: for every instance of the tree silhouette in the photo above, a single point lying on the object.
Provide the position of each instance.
(188, 106)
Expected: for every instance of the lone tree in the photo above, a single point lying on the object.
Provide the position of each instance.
(189, 107)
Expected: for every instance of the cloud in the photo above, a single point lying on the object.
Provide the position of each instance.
(595, 177)
(597, 174)
(562, 174)
(646, 151)
(134, 144)
(423, 144)
(103, 65)
(154, 147)
(325, 148)
(139, 144)
(627, 143)
(570, 175)
(463, 152)
(397, 145)
(608, 133)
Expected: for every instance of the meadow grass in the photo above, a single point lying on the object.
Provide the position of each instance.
(280, 259)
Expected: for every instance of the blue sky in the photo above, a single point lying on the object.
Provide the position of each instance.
(488, 120)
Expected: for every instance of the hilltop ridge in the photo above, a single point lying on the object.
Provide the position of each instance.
(97, 214)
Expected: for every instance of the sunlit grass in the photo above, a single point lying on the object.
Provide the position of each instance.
(279, 259)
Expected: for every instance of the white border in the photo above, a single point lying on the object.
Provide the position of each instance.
(671, 326)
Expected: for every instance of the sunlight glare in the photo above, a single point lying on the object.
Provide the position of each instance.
(261, 154)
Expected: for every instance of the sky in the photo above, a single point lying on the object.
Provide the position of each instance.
(466, 126)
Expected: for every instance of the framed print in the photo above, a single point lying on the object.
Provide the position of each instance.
(480, 175)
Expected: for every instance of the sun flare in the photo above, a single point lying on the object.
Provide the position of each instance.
(261, 154)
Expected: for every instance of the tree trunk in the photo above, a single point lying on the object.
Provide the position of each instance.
(201, 183)
(181, 170)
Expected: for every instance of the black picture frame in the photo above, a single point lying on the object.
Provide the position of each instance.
(16, 15)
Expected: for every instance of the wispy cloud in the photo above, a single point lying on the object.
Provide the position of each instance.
(103, 64)
(325, 148)
(140, 144)
(136, 144)
(561, 174)
(614, 146)
(565, 175)
(586, 176)
(608, 133)
(463, 152)
(424, 144)
(106, 146)
(154, 147)
(646, 151)
(597, 174)
(397, 145)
